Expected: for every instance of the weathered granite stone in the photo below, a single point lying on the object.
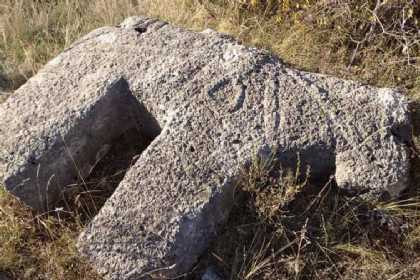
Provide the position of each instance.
(3, 276)
(213, 105)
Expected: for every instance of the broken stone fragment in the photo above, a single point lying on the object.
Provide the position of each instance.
(211, 105)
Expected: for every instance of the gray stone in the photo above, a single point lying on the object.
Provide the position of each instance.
(3, 276)
(211, 105)
(211, 274)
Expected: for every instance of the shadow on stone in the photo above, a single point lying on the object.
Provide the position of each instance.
(87, 196)
(102, 163)
(414, 148)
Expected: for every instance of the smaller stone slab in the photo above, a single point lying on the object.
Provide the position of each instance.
(51, 140)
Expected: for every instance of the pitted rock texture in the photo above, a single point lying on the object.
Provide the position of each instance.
(211, 105)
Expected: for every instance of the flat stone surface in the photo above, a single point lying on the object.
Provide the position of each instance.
(211, 105)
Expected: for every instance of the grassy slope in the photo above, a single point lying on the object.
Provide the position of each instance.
(309, 36)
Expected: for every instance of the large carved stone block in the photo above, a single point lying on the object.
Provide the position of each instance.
(211, 105)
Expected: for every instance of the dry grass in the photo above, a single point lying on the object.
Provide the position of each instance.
(291, 229)
(270, 235)
(39, 246)
(32, 32)
(373, 41)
